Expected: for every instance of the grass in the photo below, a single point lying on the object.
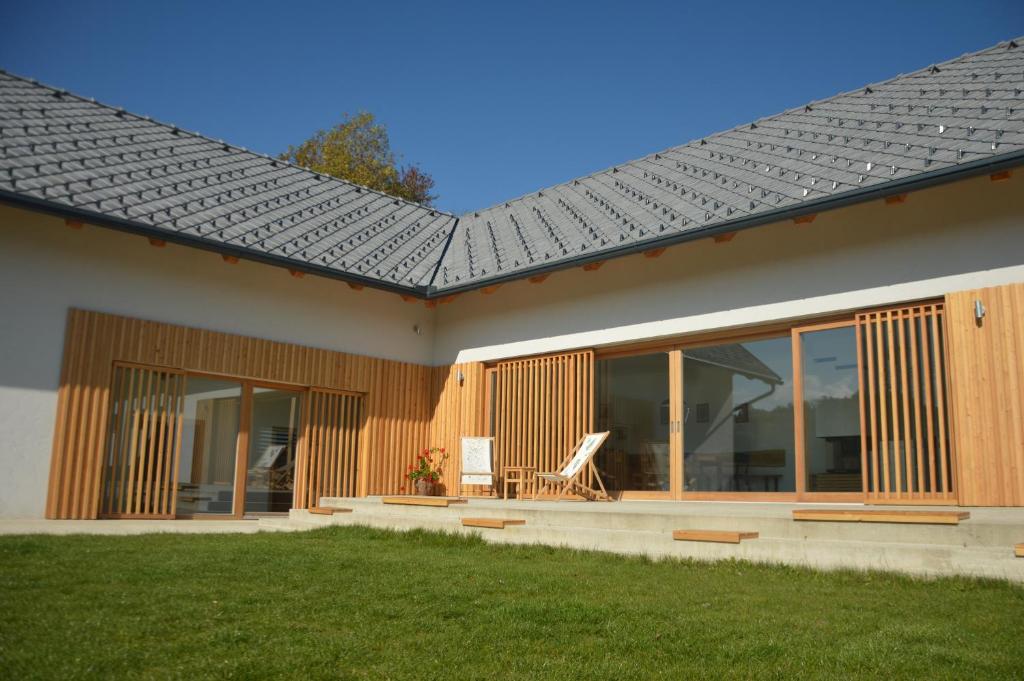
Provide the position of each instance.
(360, 603)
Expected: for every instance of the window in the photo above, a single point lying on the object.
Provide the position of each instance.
(738, 437)
(633, 405)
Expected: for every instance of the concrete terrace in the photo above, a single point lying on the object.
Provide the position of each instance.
(980, 546)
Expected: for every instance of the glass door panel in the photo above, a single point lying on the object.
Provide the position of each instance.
(209, 443)
(738, 417)
(633, 405)
(273, 445)
(831, 410)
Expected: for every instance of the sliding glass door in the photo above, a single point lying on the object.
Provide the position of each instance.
(273, 449)
(828, 419)
(239, 445)
(632, 399)
(209, 446)
(737, 413)
(772, 416)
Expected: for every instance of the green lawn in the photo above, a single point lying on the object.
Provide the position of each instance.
(361, 603)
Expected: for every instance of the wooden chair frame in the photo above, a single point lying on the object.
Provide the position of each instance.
(575, 483)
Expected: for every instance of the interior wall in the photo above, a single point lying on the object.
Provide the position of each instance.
(953, 237)
(47, 268)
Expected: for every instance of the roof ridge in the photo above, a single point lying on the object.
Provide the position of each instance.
(121, 111)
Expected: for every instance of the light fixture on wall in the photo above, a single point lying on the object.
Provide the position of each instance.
(459, 376)
(417, 330)
(979, 312)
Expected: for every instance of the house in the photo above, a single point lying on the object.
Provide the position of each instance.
(822, 305)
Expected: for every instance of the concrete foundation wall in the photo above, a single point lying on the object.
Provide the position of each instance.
(47, 267)
(966, 235)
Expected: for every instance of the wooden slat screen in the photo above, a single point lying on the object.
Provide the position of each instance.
(329, 463)
(543, 406)
(986, 361)
(906, 439)
(140, 467)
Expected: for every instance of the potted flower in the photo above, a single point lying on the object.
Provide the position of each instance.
(426, 472)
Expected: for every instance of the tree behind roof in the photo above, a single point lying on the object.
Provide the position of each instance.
(358, 150)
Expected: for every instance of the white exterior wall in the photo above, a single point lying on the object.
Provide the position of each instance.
(46, 268)
(944, 239)
(955, 237)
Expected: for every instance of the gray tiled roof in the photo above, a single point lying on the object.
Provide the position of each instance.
(103, 162)
(67, 154)
(966, 111)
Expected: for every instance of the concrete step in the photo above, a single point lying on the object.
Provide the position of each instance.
(768, 521)
(914, 558)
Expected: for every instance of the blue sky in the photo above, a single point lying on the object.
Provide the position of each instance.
(495, 100)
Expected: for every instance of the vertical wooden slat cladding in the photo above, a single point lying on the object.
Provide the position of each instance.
(136, 471)
(543, 405)
(396, 419)
(906, 442)
(986, 401)
(457, 411)
(328, 463)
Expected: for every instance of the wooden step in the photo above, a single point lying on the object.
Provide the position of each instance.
(719, 536)
(493, 523)
(413, 500)
(1018, 550)
(894, 516)
(326, 510)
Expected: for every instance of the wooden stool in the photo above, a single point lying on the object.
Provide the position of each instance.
(523, 478)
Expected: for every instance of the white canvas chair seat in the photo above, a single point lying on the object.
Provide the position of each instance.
(569, 478)
(477, 462)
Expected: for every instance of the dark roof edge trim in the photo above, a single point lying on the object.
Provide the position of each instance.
(913, 183)
(942, 176)
(69, 212)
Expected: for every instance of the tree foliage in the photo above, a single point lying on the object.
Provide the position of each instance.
(358, 150)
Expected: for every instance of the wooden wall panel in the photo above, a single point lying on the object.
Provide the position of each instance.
(906, 450)
(986, 361)
(458, 410)
(397, 403)
(544, 406)
(397, 424)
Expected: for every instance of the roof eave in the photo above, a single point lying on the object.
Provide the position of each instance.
(129, 226)
(912, 183)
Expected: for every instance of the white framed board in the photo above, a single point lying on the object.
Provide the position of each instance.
(477, 460)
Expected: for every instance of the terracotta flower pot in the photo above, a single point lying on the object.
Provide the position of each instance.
(424, 488)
